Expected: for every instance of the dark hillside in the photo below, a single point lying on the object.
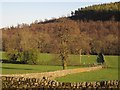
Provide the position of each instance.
(102, 12)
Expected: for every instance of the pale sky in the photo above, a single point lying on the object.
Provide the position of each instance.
(14, 12)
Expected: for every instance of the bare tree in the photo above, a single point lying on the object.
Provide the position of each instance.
(65, 34)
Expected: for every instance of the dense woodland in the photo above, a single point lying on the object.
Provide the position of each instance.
(92, 32)
(101, 12)
(90, 36)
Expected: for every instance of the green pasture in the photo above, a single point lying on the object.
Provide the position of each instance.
(110, 73)
(23, 68)
(54, 59)
(51, 62)
(47, 62)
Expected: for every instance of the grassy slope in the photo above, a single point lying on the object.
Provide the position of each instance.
(110, 73)
(47, 63)
(104, 74)
(23, 68)
(53, 59)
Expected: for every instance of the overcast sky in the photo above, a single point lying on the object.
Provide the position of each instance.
(26, 11)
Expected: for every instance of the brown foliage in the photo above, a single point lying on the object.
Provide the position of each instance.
(90, 36)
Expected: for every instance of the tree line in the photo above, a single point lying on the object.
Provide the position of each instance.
(102, 12)
(92, 37)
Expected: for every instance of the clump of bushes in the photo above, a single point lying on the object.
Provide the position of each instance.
(29, 57)
(100, 58)
(25, 57)
(12, 55)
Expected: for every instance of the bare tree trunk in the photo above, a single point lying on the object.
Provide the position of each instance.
(64, 64)
(80, 55)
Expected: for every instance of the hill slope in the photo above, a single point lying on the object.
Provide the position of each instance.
(91, 29)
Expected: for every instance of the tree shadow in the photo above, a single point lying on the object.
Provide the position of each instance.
(13, 62)
(113, 67)
(16, 68)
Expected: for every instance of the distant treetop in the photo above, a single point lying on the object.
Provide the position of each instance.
(110, 6)
(103, 12)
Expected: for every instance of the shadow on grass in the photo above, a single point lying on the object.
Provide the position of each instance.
(113, 67)
(15, 68)
(13, 62)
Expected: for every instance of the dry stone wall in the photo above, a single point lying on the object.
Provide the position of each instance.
(55, 74)
(21, 83)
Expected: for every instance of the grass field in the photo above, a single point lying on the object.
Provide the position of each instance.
(50, 62)
(110, 73)
(23, 68)
(53, 59)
